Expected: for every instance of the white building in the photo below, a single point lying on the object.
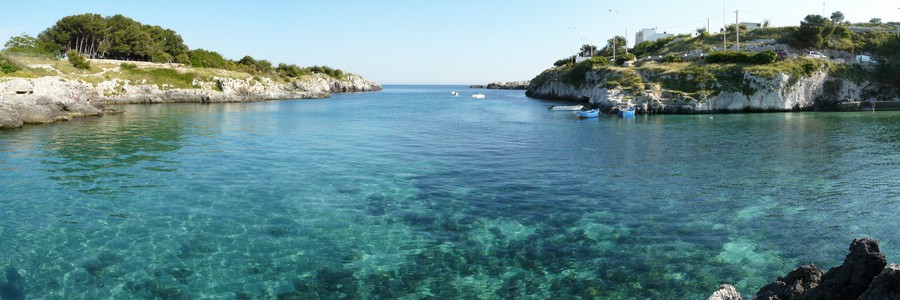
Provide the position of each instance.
(649, 34)
(751, 26)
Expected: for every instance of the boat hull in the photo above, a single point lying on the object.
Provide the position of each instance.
(588, 113)
(626, 113)
(567, 107)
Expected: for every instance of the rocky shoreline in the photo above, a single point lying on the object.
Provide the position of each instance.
(820, 90)
(864, 275)
(51, 99)
(512, 85)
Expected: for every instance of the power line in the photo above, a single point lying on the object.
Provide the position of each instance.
(770, 17)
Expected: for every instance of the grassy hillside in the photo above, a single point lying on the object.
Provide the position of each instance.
(685, 64)
(170, 75)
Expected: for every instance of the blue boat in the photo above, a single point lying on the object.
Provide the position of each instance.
(587, 113)
(627, 112)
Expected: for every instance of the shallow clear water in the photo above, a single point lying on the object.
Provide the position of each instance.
(409, 193)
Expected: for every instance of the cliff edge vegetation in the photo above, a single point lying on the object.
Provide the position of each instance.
(771, 72)
(118, 60)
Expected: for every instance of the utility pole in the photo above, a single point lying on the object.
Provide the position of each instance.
(614, 40)
(724, 27)
(737, 32)
(574, 31)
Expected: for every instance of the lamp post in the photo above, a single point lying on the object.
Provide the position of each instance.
(614, 41)
(573, 29)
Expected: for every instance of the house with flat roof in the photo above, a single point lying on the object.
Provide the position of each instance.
(649, 34)
(750, 26)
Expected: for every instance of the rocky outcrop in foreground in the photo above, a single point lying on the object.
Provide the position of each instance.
(28, 109)
(512, 85)
(49, 99)
(863, 276)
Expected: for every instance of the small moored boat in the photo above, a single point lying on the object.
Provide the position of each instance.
(567, 107)
(478, 96)
(454, 93)
(627, 112)
(587, 113)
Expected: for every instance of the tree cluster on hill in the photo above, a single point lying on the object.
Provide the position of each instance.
(119, 37)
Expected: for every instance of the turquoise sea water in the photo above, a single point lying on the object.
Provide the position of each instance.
(411, 193)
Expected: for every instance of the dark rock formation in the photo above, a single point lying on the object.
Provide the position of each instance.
(792, 286)
(885, 286)
(851, 279)
(725, 292)
(476, 86)
(854, 279)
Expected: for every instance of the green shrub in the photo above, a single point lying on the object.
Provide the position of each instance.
(741, 57)
(78, 61)
(765, 57)
(626, 78)
(161, 76)
(564, 61)
(577, 75)
(625, 57)
(671, 58)
(599, 61)
(8, 66)
(127, 66)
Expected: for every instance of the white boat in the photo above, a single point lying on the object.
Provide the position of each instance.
(567, 107)
(478, 96)
(454, 93)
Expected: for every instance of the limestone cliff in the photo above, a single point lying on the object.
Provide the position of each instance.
(53, 98)
(644, 89)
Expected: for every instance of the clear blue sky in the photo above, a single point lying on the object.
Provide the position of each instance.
(423, 41)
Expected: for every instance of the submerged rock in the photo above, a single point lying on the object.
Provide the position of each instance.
(14, 287)
(725, 292)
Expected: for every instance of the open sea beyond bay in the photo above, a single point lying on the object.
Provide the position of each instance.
(411, 193)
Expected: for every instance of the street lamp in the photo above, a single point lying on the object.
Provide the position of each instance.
(573, 29)
(614, 41)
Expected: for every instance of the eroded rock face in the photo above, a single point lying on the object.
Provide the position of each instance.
(793, 285)
(852, 278)
(35, 114)
(9, 117)
(49, 99)
(725, 292)
(884, 286)
(780, 93)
